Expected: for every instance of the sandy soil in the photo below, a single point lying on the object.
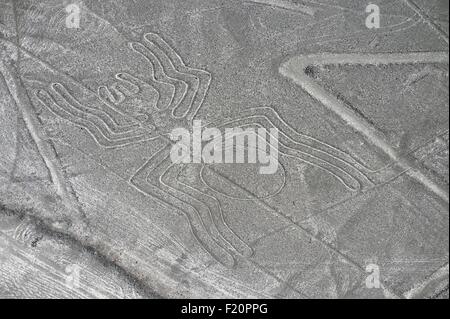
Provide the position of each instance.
(92, 206)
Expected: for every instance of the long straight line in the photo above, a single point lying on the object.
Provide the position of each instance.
(47, 152)
(295, 70)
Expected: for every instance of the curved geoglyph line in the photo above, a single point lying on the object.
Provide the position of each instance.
(225, 146)
(350, 176)
(190, 82)
(180, 89)
(216, 191)
(210, 221)
(148, 179)
(216, 208)
(159, 178)
(177, 87)
(325, 149)
(309, 141)
(112, 125)
(157, 66)
(184, 88)
(117, 92)
(67, 107)
(321, 147)
(203, 77)
(163, 101)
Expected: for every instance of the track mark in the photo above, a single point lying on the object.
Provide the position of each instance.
(427, 20)
(438, 276)
(47, 152)
(286, 5)
(148, 179)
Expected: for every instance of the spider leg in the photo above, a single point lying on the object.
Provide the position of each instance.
(203, 201)
(149, 180)
(159, 76)
(315, 153)
(333, 154)
(61, 91)
(190, 82)
(198, 79)
(68, 108)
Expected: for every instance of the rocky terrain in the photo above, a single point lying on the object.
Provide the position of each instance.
(91, 205)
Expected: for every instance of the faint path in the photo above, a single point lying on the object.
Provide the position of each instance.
(20, 96)
(17, 91)
(420, 290)
(427, 20)
(286, 5)
(40, 226)
(263, 204)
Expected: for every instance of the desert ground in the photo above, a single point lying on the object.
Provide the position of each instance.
(91, 205)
